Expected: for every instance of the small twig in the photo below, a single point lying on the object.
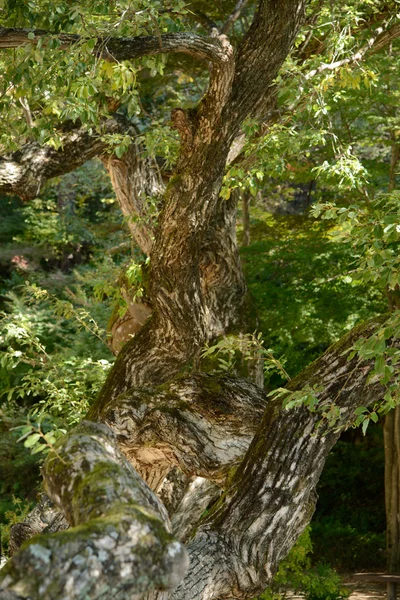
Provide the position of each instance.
(27, 111)
(380, 38)
(234, 15)
(204, 20)
(158, 32)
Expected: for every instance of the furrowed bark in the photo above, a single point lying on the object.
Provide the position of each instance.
(202, 424)
(135, 179)
(272, 495)
(119, 529)
(114, 48)
(44, 518)
(391, 433)
(261, 54)
(178, 328)
(24, 172)
(269, 499)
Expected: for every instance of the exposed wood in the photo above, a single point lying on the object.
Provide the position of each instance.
(378, 577)
(203, 424)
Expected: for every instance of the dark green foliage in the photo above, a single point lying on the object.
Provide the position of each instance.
(53, 349)
(19, 470)
(346, 548)
(348, 528)
(323, 583)
(297, 276)
(295, 573)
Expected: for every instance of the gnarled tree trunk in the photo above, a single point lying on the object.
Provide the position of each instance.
(267, 460)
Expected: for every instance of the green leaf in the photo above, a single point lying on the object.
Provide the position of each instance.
(40, 448)
(374, 417)
(50, 438)
(31, 440)
(380, 364)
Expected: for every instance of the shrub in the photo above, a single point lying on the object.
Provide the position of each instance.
(323, 583)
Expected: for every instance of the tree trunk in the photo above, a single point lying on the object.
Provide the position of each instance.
(391, 433)
(266, 459)
(269, 495)
(392, 493)
(246, 218)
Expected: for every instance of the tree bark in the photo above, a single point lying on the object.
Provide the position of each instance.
(246, 218)
(200, 424)
(391, 435)
(266, 504)
(392, 487)
(119, 527)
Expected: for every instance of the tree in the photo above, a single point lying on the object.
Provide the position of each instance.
(267, 459)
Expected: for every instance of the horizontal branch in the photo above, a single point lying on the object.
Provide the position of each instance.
(25, 171)
(114, 48)
(118, 546)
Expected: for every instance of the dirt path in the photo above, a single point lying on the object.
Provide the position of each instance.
(365, 590)
(360, 590)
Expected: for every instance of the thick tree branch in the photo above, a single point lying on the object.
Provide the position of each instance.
(119, 528)
(270, 499)
(261, 54)
(135, 180)
(25, 171)
(201, 424)
(133, 176)
(205, 48)
(272, 495)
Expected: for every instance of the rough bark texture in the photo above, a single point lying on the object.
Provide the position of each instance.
(44, 518)
(272, 495)
(117, 49)
(201, 424)
(178, 327)
(392, 489)
(267, 501)
(119, 528)
(135, 180)
(391, 435)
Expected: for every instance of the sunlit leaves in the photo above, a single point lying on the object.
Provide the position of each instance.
(374, 234)
(69, 82)
(230, 349)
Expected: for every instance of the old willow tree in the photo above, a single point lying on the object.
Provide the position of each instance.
(94, 79)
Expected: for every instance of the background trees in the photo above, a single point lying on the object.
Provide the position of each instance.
(238, 123)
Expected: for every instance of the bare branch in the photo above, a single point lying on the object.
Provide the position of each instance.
(113, 48)
(234, 16)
